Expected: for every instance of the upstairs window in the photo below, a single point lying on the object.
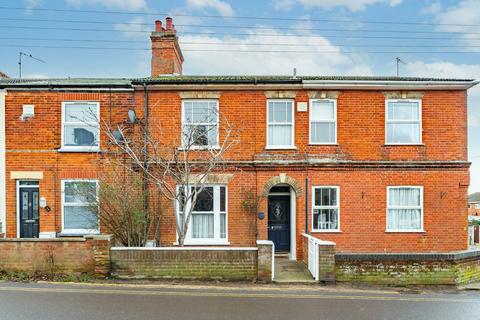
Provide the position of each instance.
(403, 122)
(323, 121)
(280, 131)
(404, 209)
(80, 125)
(199, 123)
(326, 207)
(79, 206)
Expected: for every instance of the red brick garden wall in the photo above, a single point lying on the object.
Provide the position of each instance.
(56, 256)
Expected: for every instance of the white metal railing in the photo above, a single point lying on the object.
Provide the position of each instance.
(314, 254)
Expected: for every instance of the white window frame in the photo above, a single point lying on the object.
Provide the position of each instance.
(216, 240)
(198, 147)
(387, 121)
(96, 124)
(77, 231)
(326, 207)
(405, 207)
(292, 143)
(322, 121)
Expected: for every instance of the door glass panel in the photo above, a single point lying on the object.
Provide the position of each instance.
(28, 183)
(24, 204)
(35, 205)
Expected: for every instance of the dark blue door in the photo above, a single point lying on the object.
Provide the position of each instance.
(29, 213)
(279, 222)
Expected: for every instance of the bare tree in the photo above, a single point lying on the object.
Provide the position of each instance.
(179, 169)
(119, 203)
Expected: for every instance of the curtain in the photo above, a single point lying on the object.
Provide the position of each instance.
(280, 134)
(406, 218)
(202, 226)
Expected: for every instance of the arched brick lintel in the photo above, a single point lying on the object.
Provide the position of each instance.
(282, 179)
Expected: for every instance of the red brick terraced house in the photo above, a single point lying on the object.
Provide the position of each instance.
(374, 164)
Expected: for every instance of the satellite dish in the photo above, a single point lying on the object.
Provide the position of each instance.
(132, 116)
(117, 135)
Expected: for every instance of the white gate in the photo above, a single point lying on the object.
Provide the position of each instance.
(313, 252)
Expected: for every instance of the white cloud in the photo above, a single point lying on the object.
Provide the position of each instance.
(222, 7)
(132, 28)
(433, 8)
(31, 4)
(127, 5)
(452, 18)
(239, 62)
(353, 5)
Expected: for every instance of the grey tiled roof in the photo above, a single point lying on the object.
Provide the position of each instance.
(74, 82)
(271, 78)
(125, 82)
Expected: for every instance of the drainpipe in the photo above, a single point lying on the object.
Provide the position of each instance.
(3, 154)
(306, 205)
(145, 149)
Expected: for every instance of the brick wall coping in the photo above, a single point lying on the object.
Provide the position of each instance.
(184, 248)
(43, 240)
(270, 242)
(452, 256)
(319, 241)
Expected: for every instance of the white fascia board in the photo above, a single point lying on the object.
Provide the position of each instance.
(388, 85)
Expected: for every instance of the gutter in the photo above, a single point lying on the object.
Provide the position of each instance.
(390, 85)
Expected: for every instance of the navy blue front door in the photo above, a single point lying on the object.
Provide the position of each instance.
(29, 201)
(279, 222)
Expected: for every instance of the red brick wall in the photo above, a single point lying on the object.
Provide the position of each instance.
(361, 125)
(47, 256)
(32, 146)
(361, 136)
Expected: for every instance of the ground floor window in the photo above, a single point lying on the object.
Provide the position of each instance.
(208, 222)
(80, 206)
(326, 209)
(404, 208)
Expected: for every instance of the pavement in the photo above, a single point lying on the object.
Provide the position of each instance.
(291, 271)
(28, 301)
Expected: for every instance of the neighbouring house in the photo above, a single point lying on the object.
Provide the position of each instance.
(474, 218)
(373, 164)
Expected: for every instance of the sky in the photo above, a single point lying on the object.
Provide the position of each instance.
(110, 38)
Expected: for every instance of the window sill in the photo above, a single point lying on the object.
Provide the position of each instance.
(84, 150)
(280, 148)
(76, 233)
(326, 231)
(199, 148)
(405, 231)
(205, 242)
(404, 144)
(323, 144)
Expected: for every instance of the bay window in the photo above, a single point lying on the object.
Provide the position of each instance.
(208, 222)
(404, 208)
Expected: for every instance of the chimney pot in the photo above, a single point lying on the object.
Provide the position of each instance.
(158, 26)
(169, 23)
(167, 56)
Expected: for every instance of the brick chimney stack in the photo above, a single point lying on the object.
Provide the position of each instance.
(167, 58)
